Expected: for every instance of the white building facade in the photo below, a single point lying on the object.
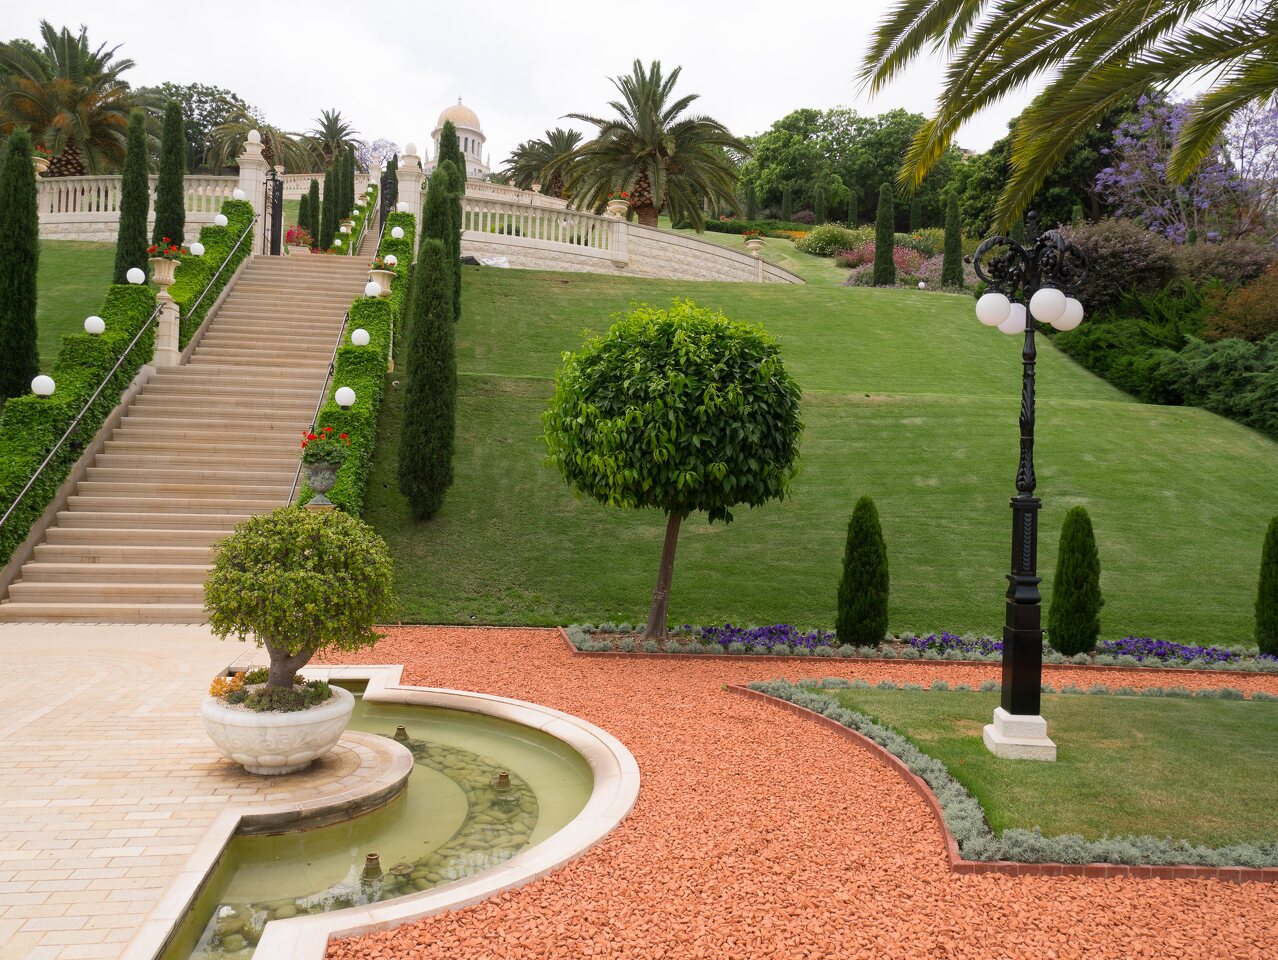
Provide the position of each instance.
(470, 136)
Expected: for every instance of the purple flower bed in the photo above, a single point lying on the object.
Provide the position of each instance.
(1143, 648)
(946, 642)
(766, 637)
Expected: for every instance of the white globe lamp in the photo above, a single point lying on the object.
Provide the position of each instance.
(397, 233)
(197, 249)
(922, 284)
(221, 220)
(42, 386)
(992, 309)
(94, 325)
(345, 397)
(337, 243)
(359, 337)
(1047, 305)
(238, 194)
(402, 206)
(345, 229)
(372, 289)
(390, 259)
(136, 275)
(1072, 316)
(1015, 322)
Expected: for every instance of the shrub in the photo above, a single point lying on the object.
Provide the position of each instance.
(827, 240)
(1267, 593)
(135, 200)
(787, 203)
(863, 590)
(1123, 257)
(299, 582)
(904, 259)
(196, 272)
(1073, 620)
(952, 265)
(314, 209)
(805, 217)
(1233, 262)
(884, 239)
(170, 200)
(1234, 378)
(19, 261)
(328, 211)
(1250, 313)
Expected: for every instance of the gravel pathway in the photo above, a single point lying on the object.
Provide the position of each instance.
(758, 835)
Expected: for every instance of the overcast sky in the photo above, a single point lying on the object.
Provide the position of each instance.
(391, 67)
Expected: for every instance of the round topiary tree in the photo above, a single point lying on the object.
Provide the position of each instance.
(1267, 593)
(862, 617)
(1073, 620)
(679, 409)
(300, 581)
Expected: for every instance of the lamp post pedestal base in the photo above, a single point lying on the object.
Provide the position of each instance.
(1017, 737)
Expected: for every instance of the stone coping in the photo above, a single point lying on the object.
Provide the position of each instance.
(959, 865)
(616, 787)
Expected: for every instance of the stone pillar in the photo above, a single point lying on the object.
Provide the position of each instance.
(619, 241)
(410, 178)
(167, 353)
(253, 170)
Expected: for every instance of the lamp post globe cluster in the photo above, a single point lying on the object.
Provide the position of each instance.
(1026, 283)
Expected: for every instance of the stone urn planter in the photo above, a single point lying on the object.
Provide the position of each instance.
(618, 208)
(163, 270)
(275, 743)
(383, 278)
(754, 245)
(41, 164)
(321, 476)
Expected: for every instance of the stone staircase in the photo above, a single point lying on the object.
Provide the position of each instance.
(202, 446)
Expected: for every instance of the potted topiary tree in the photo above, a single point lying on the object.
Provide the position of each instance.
(297, 582)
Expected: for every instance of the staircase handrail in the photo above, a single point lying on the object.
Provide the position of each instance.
(332, 366)
(381, 235)
(75, 422)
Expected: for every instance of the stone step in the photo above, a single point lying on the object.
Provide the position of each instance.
(227, 437)
(246, 358)
(174, 505)
(24, 591)
(269, 338)
(184, 458)
(137, 612)
(43, 571)
(116, 553)
(149, 538)
(201, 374)
(264, 421)
(159, 474)
(112, 520)
(287, 357)
(150, 487)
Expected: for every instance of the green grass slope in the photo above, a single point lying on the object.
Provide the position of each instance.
(71, 285)
(906, 398)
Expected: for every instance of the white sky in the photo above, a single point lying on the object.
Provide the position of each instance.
(391, 67)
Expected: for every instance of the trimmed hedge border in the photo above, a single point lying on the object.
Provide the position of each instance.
(575, 635)
(363, 369)
(971, 846)
(195, 272)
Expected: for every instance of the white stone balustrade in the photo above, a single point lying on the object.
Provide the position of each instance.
(482, 189)
(528, 224)
(88, 208)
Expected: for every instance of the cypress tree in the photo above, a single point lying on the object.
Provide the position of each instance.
(1077, 217)
(751, 202)
(328, 214)
(350, 180)
(787, 204)
(19, 260)
(313, 224)
(430, 383)
(818, 203)
(304, 212)
(1073, 620)
(854, 201)
(456, 182)
(170, 204)
(885, 239)
(391, 181)
(450, 149)
(863, 591)
(1267, 593)
(952, 262)
(135, 201)
(439, 222)
(916, 214)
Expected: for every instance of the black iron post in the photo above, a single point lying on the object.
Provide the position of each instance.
(1019, 274)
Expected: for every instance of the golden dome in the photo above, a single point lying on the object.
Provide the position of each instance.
(461, 117)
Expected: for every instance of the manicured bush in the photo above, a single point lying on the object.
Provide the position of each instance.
(196, 273)
(328, 215)
(19, 262)
(1123, 257)
(135, 201)
(1232, 262)
(298, 582)
(952, 266)
(904, 259)
(827, 240)
(1073, 619)
(884, 239)
(313, 205)
(1249, 313)
(430, 380)
(769, 228)
(818, 204)
(1234, 378)
(170, 189)
(862, 617)
(1267, 593)
(31, 425)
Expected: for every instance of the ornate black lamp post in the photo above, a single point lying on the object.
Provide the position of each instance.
(1041, 277)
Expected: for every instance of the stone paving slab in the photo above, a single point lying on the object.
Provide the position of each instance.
(109, 784)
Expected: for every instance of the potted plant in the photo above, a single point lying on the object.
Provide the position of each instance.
(383, 273)
(298, 239)
(753, 241)
(297, 582)
(41, 157)
(619, 203)
(322, 454)
(165, 259)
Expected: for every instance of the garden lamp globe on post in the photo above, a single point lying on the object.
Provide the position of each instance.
(1043, 276)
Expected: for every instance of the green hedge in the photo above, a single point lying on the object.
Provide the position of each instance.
(363, 369)
(195, 272)
(31, 425)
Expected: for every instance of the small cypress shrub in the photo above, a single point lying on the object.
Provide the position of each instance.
(916, 213)
(430, 383)
(313, 224)
(818, 203)
(1073, 620)
(1267, 593)
(854, 200)
(19, 261)
(328, 210)
(135, 201)
(170, 202)
(952, 261)
(862, 617)
(350, 180)
(450, 149)
(304, 212)
(885, 238)
(787, 203)
(752, 201)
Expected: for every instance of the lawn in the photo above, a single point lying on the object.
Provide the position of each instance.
(818, 270)
(906, 398)
(1125, 765)
(71, 284)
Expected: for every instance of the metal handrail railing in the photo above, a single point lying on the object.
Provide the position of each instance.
(332, 364)
(381, 235)
(75, 423)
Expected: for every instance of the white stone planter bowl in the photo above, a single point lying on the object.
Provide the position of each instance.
(275, 743)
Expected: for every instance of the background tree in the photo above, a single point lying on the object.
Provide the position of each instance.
(1077, 217)
(392, 180)
(678, 409)
(70, 97)
(668, 162)
(862, 618)
(885, 238)
(916, 213)
(1073, 619)
(330, 137)
(381, 149)
(430, 379)
(204, 108)
(751, 202)
(349, 182)
(439, 223)
(952, 259)
(279, 147)
(328, 210)
(450, 149)
(170, 189)
(313, 225)
(547, 161)
(787, 203)
(818, 203)
(19, 260)
(135, 201)
(1267, 593)
(854, 201)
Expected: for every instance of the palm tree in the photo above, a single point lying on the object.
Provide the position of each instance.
(278, 146)
(547, 162)
(667, 162)
(1100, 52)
(69, 96)
(331, 136)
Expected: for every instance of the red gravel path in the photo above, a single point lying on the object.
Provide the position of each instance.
(758, 835)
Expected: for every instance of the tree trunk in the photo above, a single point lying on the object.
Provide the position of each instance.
(656, 628)
(284, 666)
(647, 215)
